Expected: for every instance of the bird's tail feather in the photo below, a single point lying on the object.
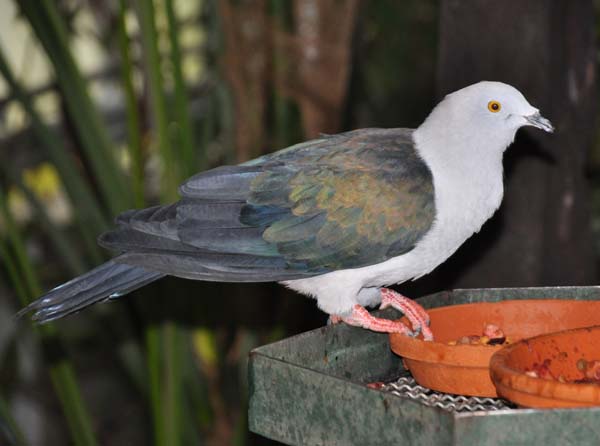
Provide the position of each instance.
(109, 280)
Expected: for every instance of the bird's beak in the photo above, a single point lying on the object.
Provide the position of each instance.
(537, 120)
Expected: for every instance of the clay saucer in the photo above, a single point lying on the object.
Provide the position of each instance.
(464, 369)
(560, 354)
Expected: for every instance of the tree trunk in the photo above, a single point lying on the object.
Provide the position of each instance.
(546, 49)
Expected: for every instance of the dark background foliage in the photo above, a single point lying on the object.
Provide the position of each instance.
(166, 365)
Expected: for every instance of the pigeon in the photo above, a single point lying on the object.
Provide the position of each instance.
(339, 218)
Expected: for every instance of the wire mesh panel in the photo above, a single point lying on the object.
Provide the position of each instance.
(407, 387)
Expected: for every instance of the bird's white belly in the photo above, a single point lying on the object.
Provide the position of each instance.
(457, 218)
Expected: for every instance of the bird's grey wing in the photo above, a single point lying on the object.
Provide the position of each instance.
(344, 201)
(154, 238)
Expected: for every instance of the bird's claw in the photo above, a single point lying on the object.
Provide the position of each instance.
(414, 312)
(360, 317)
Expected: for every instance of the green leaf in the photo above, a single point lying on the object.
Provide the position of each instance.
(9, 425)
(152, 63)
(28, 287)
(133, 120)
(50, 30)
(189, 158)
(89, 215)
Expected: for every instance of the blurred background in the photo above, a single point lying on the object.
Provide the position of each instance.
(109, 105)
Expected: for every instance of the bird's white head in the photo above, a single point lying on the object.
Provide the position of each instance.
(480, 119)
(497, 107)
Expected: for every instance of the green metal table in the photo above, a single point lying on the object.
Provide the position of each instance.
(311, 390)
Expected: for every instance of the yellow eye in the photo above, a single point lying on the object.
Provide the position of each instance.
(494, 106)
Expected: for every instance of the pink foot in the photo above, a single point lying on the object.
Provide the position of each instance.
(360, 317)
(333, 319)
(414, 312)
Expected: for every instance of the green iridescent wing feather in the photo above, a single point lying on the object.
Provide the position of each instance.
(356, 200)
(342, 201)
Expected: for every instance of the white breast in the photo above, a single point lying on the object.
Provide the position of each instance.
(468, 190)
(463, 204)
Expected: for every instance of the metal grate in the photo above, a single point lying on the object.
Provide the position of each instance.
(406, 387)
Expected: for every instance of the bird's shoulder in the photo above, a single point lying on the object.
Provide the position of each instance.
(351, 149)
(363, 149)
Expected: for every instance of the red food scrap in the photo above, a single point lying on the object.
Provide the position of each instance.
(592, 370)
(493, 331)
(541, 370)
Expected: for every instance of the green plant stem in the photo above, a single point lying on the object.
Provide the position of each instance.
(282, 116)
(63, 378)
(22, 263)
(172, 401)
(50, 30)
(6, 418)
(61, 371)
(164, 356)
(133, 120)
(13, 273)
(62, 244)
(90, 217)
(190, 161)
(152, 61)
(91, 244)
(153, 353)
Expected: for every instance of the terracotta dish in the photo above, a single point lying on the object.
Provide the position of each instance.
(560, 354)
(464, 369)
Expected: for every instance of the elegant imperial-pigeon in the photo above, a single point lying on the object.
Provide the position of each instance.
(337, 218)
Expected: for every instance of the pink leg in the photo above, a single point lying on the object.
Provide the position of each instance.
(360, 317)
(414, 312)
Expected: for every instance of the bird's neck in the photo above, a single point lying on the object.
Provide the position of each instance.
(450, 150)
(467, 174)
